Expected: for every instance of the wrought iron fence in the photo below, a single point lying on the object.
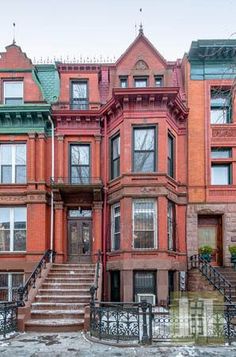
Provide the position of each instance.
(8, 317)
(130, 322)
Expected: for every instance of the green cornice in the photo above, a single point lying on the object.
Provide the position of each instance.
(24, 119)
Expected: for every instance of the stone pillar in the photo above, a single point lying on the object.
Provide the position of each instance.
(97, 229)
(59, 230)
(32, 160)
(97, 169)
(127, 278)
(162, 285)
(41, 158)
(60, 157)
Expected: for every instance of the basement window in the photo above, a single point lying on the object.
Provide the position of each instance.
(9, 284)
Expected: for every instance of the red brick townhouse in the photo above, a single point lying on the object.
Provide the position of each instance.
(94, 156)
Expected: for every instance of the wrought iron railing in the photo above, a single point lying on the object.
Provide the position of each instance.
(78, 180)
(213, 276)
(23, 291)
(8, 317)
(94, 287)
(130, 322)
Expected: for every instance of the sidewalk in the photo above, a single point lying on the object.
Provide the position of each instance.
(76, 344)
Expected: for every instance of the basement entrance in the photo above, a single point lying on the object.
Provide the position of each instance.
(79, 236)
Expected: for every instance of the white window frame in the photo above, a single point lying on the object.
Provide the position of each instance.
(21, 94)
(9, 281)
(13, 163)
(154, 221)
(113, 217)
(12, 221)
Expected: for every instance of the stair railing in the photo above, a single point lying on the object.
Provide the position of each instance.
(94, 287)
(213, 276)
(23, 291)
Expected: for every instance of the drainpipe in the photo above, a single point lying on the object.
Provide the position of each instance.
(52, 178)
(105, 205)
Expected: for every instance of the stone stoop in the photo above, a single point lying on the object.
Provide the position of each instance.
(229, 274)
(197, 282)
(60, 302)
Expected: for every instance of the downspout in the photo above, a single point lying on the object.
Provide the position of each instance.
(52, 179)
(105, 207)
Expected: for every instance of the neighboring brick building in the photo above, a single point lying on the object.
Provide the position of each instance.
(123, 164)
(210, 83)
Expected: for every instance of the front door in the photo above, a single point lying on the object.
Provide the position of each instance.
(210, 233)
(79, 240)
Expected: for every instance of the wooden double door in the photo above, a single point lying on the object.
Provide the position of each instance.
(79, 240)
(210, 233)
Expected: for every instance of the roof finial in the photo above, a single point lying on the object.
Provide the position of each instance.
(141, 22)
(14, 35)
(141, 29)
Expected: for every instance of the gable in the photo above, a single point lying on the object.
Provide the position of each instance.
(14, 58)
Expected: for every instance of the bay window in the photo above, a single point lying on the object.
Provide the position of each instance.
(115, 227)
(144, 224)
(144, 149)
(171, 226)
(115, 157)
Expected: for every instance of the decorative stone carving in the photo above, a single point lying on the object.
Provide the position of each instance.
(223, 133)
(141, 65)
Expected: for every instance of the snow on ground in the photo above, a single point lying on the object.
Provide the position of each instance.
(76, 344)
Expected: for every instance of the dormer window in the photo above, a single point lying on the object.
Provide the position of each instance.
(13, 92)
(158, 81)
(123, 82)
(140, 82)
(79, 95)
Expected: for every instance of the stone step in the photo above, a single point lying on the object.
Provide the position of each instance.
(69, 279)
(63, 292)
(58, 325)
(63, 298)
(66, 285)
(69, 275)
(78, 266)
(57, 306)
(74, 270)
(57, 314)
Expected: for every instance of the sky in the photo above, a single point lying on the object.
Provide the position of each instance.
(91, 28)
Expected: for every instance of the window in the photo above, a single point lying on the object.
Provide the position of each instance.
(144, 283)
(221, 153)
(144, 145)
(170, 158)
(115, 227)
(9, 283)
(221, 174)
(220, 106)
(80, 163)
(158, 81)
(123, 82)
(13, 92)
(144, 224)
(171, 226)
(140, 82)
(13, 229)
(79, 95)
(115, 157)
(12, 163)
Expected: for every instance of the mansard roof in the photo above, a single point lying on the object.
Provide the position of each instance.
(217, 50)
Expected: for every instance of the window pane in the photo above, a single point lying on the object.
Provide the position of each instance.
(144, 224)
(219, 116)
(115, 227)
(19, 240)
(116, 147)
(20, 215)
(80, 174)
(79, 90)
(158, 81)
(144, 162)
(221, 153)
(20, 174)
(17, 280)
(4, 218)
(140, 83)
(20, 154)
(80, 155)
(6, 174)
(220, 174)
(13, 89)
(13, 101)
(6, 154)
(144, 282)
(144, 139)
(3, 287)
(143, 239)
